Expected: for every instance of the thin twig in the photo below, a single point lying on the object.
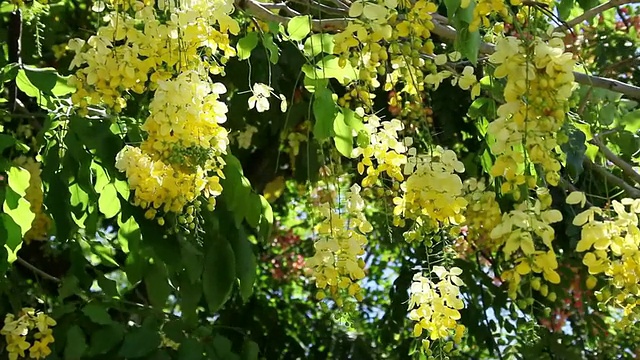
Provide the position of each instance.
(26, 264)
(591, 13)
(609, 84)
(626, 168)
(630, 190)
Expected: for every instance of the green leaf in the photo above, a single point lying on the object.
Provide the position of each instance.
(105, 339)
(588, 4)
(222, 347)
(250, 350)
(245, 261)
(324, 111)
(343, 137)
(76, 344)
(6, 141)
(253, 210)
(478, 107)
(10, 231)
(329, 67)
(108, 286)
(68, 287)
(108, 202)
(352, 119)
(219, 273)
(246, 45)
(58, 197)
(18, 179)
(140, 342)
(317, 44)
(19, 210)
(9, 71)
(190, 294)
(190, 349)
(468, 44)
(299, 27)
(575, 149)
(274, 52)
(267, 218)
(47, 80)
(97, 313)
(129, 234)
(564, 8)
(452, 6)
(607, 114)
(192, 259)
(631, 121)
(157, 285)
(42, 84)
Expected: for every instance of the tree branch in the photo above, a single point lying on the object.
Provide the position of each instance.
(26, 264)
(609, 84)
(281, 6)
(626, 168)
(445, 32)
(630, 190)
(321, 7)
(591, 13)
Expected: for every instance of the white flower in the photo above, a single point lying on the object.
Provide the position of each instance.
(260, 97)
(283, 103)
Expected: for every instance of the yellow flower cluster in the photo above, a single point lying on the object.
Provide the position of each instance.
(432, 194)
(133, 53)
(482, 215)
(16, 330)
(466, 80)
(384, 147)
(435, 306)
(180, 160)
(336, 264)
(539, 81)
(611, 244)
(485, 9)
(389, 32)
(527, 236)
(35, 196)
(170, 48)
(410, 40)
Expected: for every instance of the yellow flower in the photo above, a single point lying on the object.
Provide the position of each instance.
(16, 346)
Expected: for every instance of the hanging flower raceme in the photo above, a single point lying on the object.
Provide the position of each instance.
(539, 82)
(482, 215)
(142, 46)
(382, 146)
(484, 9)
(336, 264)
(610, 242)
(432, 194)
(35, 196)
(526, 235)
(20, 335)
(181, 158)
(435, 306)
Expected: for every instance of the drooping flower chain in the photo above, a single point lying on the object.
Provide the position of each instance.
(336, 264)
(16, 330)
(539, 81)
(435, 306)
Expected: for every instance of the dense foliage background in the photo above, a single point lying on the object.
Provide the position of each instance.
(232, 281)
